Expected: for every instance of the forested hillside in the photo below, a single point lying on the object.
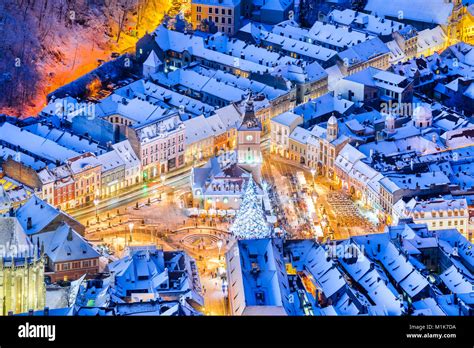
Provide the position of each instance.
(45, 44)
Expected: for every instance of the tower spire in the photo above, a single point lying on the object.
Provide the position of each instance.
(249, 154)
(250, 121)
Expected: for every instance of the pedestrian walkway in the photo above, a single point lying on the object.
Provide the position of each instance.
(214, 296)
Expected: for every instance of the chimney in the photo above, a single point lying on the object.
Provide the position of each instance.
(69, 234)
(29, 223)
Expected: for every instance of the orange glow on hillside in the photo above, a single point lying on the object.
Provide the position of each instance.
(85, 54)
(93, 88)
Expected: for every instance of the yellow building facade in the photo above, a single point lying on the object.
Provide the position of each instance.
(22, 285)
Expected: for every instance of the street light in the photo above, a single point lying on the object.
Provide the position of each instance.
(96, 203)
(313, 172)
(225, 290)
(162, 177)
(130, 227)
(219, 246)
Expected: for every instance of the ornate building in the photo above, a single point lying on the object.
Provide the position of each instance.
(21, 270)
(454, 28)
(220, 183)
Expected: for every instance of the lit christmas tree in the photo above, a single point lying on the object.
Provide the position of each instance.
(250, 222)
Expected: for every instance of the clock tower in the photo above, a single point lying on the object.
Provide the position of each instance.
(249, 153)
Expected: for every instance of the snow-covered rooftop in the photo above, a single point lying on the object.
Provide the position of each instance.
(370, 23)
(437, 12)
(43, 148)
(64, 244)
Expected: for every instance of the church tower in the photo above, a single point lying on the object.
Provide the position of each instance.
(249, 154)
(151, 65)
(390, 124)
(332, 131)
(454, 27)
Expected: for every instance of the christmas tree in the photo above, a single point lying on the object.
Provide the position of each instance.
(250, 222)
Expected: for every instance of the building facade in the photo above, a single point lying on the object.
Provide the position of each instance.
(86, 171)
(68, 255)
(112, 174)
(437, 214)
(22, 286)
(224, 15)
(161, 145)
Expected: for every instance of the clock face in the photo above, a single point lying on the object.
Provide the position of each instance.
(249, 137)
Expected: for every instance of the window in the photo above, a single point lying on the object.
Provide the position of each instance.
(210, 9)
(229, 20)
(198, 9)
(223, 11)
(76, 265)
(229, 12)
